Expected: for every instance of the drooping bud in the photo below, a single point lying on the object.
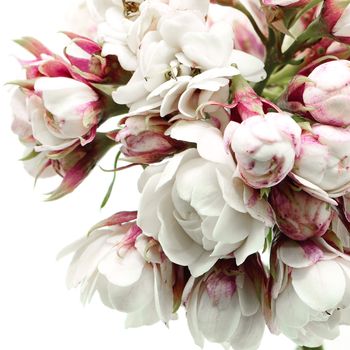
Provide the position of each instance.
(144, 141)
(299, 215)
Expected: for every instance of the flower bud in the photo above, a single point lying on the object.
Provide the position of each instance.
(336, 16)
(87, 61)
(143, 139)
(265, 148)
(286, 3)
(327, 93)
(324, 160)
(299, 215)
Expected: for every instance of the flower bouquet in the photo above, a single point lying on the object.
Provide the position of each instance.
(238, 115)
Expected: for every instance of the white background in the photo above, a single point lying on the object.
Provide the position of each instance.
(36, 310)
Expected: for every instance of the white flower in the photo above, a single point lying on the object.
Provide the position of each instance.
(265, 148)
(222, 307)
(311, 291)
(65, 113)
(195, 209)
(128, 270)
(173, 50)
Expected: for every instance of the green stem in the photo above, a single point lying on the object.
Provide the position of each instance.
(239, 6)
(314, 32)
(272, 60)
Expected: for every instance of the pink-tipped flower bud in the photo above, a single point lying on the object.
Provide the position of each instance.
(286, 3)
(324, 160)
(87, 62)
(327, 93)
(336, 16)
(143, 139)
(299, 215)
(265, 148)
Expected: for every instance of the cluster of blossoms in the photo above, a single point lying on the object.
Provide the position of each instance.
(238, 114)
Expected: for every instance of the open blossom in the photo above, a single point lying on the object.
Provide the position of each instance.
(323, 164)
(189, 204)
(223, 307)
(184, 61)
(60, 108)
(66, 113)
(143, 139)
(127, 269)
(327, 93)
(305, 308)
(336, 16)
(265, 148)
(299, 215)
(53, 121)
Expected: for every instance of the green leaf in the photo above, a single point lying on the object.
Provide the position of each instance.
(106, 89)
(268, 240)
(305, 124)
(264, 193)
(110, 188)
(30, 156)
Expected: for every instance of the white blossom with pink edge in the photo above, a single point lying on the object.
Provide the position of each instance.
(64, 114)
(305, 308)
(189, 203)
(265, 148)
(128, 270)
(327, 93)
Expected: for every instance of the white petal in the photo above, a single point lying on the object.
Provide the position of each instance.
(293, 255)
(134, 297)
(290, 310)
(203, 264)
(122, 270)
(192, 310)
(249, 333)
(144, 317)
(163, 287)
(218, 321)
(312, 284)
(232, 226)
(248, 300)
(254, 242)
(177, 246)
